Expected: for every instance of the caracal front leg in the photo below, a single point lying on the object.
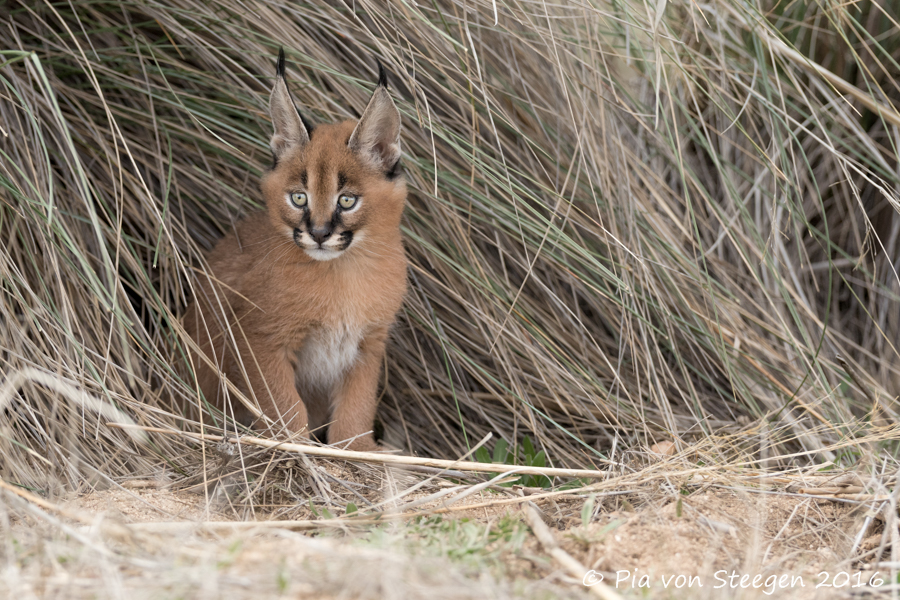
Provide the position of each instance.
(270, 375)
(355, 400)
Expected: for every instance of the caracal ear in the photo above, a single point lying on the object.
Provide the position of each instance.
(376, 138)
(291, 130)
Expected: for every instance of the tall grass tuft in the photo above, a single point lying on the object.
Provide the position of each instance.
(628, 221)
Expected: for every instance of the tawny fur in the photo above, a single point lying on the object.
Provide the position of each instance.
(303, 335)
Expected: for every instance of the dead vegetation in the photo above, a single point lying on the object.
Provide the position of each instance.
(630, 223)
(386, 532)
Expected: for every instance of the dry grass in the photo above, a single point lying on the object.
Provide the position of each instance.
(628, 222)
(622, 226)
(415, 536)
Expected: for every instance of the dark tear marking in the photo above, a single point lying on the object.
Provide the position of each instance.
(306, 220)
(336, 219)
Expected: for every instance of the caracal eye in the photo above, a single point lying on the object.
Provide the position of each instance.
(298, 199)
(347, 202)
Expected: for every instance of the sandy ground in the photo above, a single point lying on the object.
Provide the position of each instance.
(712, 543)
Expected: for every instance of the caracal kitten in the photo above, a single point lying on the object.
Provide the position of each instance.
(299, 298)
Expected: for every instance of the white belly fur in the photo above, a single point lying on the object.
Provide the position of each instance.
(326, 356)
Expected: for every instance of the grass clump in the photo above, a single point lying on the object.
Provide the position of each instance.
(625, 224)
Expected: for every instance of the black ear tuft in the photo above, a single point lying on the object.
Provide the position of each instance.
(279, 66)
(291, 129)
(279, 72)
(382, 75)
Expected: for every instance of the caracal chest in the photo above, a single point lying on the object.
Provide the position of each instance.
(327, 352)
(331, 341)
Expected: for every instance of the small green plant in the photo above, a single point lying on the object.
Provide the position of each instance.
(575, 484)
(233, 550)
(324, 512)
(509, 530)
(588, 538)
(283, 579)
(587, 511)
(526, 456)
(848, 457)
(469, 541)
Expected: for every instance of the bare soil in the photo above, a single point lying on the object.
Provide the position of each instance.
(641, 545)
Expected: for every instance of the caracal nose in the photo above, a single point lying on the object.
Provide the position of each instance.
(320, 234)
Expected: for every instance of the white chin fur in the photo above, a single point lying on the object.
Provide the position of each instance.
(322, 254)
